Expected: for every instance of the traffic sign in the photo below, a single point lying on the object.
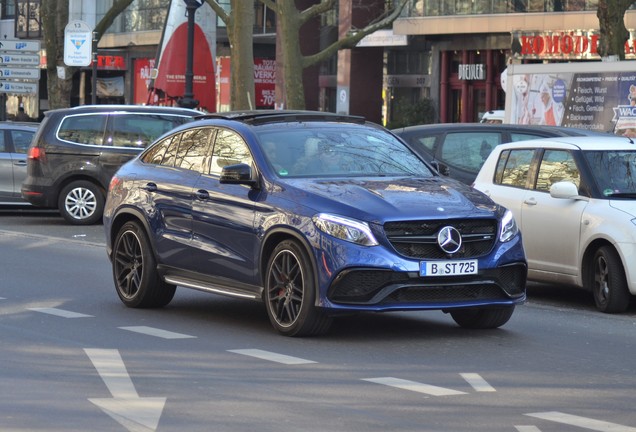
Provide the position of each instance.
(20, 45)
(20, 73)
(78, 44)
(19, 60)
(18, 87)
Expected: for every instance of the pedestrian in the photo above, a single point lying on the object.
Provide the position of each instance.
(22, 116)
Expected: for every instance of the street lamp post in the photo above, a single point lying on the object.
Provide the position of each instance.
(188, 100)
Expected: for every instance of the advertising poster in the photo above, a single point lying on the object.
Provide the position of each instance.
(602, 100)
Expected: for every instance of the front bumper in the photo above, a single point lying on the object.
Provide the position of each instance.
(388, 290)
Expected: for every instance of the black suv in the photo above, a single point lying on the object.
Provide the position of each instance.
(459, 149)
(77, 150)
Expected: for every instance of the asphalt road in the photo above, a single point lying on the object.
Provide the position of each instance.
(75, 359)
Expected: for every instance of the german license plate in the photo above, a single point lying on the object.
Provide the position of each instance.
(448, 268)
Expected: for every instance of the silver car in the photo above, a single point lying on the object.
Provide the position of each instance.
(15, 139)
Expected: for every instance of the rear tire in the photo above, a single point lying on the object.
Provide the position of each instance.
(482, 318)
(135, 274)
(608, 282)
(81, 203)
(290, 292)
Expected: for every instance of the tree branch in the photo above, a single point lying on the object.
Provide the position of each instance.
(353, 39)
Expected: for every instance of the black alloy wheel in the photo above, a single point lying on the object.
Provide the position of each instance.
(290, 292)
(135, 270)
(482, 318)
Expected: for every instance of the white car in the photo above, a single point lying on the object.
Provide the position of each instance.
(574, 199)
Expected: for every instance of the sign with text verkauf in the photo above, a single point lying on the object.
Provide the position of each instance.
(78, 41)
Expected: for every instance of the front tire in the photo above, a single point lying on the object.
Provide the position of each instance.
(137, 282)
(290, 292)
(482, 318)
(609, 285)
(81, 203)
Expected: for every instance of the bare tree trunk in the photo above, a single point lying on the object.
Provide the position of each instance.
(289, 24)
(611, 17)
(240, 34)
(55, 18)
(239, 31)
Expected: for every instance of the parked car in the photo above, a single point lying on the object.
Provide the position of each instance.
(15, 139)
(77, 150)
(493, 117)
(575, 200)
(313, 213)
(460, 149)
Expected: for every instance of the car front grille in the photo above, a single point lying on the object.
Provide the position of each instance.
(387, 288)
(418, 239)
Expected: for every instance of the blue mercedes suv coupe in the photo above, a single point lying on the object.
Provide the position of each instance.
(314, 214)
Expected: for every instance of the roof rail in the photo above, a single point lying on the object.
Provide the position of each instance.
(271, 116)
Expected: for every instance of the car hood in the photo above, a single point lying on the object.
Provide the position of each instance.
(379, 200)
(627, 206)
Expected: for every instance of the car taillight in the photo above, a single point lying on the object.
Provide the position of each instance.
(114, 182)
(36, 153)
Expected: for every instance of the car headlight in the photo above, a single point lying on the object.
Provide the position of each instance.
(509, 227)
(346, 229)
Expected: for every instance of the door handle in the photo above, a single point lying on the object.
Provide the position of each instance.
(530, 201)
(202, 194)
(150, 187)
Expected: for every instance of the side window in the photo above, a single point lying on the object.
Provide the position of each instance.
(154, 155)
(21, 140)
(514, 169)
(194, 149)
(556, 166)
(171, 151)
(469, 150)
(3, 146)
(517, 136)
(229, 149)
(140, 130)
(83, 129)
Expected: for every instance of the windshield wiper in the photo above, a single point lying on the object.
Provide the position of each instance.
(622, 195)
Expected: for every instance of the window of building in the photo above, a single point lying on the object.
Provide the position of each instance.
(7, 9)
(28, 24)
(141, 15)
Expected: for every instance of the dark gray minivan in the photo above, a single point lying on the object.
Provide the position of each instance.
(76, 151)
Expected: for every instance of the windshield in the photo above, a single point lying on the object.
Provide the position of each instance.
(319, 149)
(614, 172)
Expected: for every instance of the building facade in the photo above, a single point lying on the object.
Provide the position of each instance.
(466, 45)
(451, 52)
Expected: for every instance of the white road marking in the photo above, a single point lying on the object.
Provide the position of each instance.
(60, 312)
(266, 355)
(477, 382)
(414, 386)
(151, 331)
(135, 413)
(583, 422)
(527, 429)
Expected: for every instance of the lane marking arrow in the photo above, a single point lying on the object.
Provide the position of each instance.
(135, 413)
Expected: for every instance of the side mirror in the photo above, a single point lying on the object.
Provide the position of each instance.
(238, 174)
(564, 190)
(441, 168)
